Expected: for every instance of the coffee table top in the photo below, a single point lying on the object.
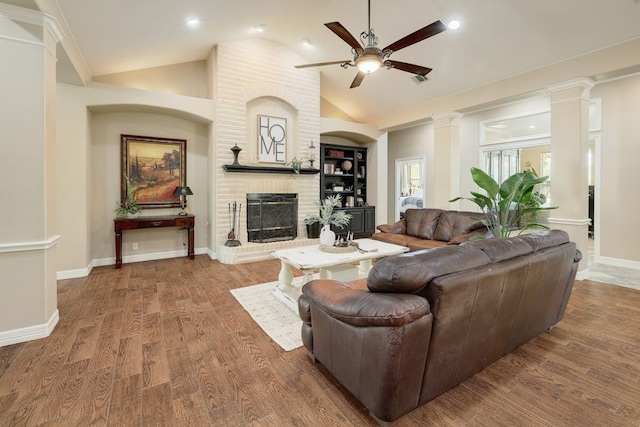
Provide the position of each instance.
(311, 257)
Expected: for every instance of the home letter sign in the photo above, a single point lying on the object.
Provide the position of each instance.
(272, 139)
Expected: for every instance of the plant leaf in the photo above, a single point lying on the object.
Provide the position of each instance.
(485, 182)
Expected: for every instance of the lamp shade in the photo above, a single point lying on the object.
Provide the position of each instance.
(182, 191)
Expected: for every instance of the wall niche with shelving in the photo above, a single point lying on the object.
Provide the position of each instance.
(343, 171)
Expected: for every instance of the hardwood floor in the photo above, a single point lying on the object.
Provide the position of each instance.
(165, 343)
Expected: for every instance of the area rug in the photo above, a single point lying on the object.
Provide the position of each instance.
(276, 320)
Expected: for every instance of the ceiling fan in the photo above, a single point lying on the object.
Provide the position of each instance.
(368, 57)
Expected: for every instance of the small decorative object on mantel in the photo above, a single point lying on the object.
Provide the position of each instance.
(296, 165)
(236, 150)
(232, 237)
(312, 154)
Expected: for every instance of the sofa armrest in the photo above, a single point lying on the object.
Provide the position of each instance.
(360, 307)
(375, 345)
(399, 227)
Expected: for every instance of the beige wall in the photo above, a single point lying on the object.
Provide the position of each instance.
(619, 172)
(90, 120)
(188, 78)
(104, 190)
(28, 294)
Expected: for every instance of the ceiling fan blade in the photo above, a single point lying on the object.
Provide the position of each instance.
(417, 36)
(320, 64)
(409, 68)
(345, 35)
(356, 82)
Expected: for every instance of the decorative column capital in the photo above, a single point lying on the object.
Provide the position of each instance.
(448, 117)
(582, 84)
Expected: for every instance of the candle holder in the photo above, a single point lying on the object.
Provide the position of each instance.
(236, 150)
(312, 154)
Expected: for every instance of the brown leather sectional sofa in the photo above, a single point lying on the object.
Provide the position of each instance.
(430, 228)
(425, 321)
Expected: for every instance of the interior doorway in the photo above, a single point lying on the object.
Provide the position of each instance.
(410, 184)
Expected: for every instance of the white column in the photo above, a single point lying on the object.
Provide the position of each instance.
(446, 159)
(569, 150)
(28, 294)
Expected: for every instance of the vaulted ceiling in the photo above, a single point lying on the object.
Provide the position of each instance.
(497, 38)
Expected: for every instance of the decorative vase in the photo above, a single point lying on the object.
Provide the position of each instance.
(327, 236)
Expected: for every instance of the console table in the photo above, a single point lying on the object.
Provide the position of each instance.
(121, 223)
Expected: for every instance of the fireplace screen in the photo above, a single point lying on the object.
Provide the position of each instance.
(272, 217)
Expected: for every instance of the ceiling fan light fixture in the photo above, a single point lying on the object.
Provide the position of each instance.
(368, 63)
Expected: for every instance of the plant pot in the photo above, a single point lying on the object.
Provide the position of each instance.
(327, 236)
(313, 230)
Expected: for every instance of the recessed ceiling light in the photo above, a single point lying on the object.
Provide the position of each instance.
(454, 25)
(306, 42)
(259, 28)
(193, 22)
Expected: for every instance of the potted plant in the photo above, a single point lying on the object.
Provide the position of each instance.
(504, 205)
(338, 186)
(328, 215)
(296, 165)
(129, 206)
(359, 187)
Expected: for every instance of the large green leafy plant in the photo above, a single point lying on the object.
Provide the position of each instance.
(329, 215)
(506, 204)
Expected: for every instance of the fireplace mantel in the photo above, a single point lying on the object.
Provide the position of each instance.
(268, 169)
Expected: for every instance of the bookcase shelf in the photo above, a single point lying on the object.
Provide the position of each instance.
(351, 162)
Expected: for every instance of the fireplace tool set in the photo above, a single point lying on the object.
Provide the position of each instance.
(232, 237)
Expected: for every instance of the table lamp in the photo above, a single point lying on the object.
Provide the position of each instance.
(183, 192)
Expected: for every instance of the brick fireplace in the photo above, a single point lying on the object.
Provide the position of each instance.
(261, 86)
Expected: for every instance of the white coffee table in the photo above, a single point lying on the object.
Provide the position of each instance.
(311, 258)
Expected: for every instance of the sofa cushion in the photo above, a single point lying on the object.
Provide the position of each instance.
(418, 244)
(545, 239)
(399, 227)
(412, 271)
(454, 223)
(500, 249)
(395, 239)
(422, 222)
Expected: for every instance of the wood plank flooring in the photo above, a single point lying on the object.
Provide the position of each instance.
(164, 343)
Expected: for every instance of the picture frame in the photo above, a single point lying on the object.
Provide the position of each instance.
(272, 139)
(154, 167)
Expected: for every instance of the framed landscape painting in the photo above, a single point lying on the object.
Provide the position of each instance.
(154, 167)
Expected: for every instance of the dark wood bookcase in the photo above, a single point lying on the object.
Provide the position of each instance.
(343, 170)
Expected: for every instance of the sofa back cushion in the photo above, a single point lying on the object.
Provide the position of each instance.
(501, 248)
(422, 222)
(454, 223)
(412, 271)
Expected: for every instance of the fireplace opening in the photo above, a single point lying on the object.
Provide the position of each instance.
(272, 217)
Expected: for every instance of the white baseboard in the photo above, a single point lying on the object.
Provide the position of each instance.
(30, 332)
(101, 262)
(582, 275)
(617, 262)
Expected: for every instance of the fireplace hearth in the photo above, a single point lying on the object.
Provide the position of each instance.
(272, 217)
